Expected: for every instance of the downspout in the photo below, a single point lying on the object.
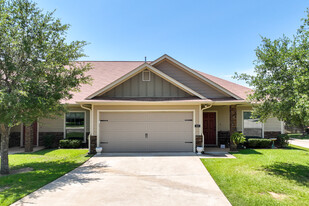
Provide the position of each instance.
(90, 122)
(202, 131)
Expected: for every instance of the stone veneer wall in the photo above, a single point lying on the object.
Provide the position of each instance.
(233, 119)
(57, 136)
(224, 138)
(93, 144)
(14, 139)
(198, 140)
(271, 134)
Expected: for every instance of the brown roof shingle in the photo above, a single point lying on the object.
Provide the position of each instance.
(106, 72)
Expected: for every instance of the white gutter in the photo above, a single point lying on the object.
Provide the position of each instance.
(202, 127)
(90, 122)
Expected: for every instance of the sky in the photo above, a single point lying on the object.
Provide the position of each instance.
(218, 37)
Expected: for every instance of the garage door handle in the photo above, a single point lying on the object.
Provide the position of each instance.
(146, 135)
(188, 142)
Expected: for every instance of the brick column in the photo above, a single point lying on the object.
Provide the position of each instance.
(198, 140)
(28, 138)
(233, 121)
(93, 144)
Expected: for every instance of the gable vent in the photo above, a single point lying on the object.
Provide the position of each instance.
(146, 76)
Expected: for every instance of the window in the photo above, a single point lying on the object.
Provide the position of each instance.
(75, 126)
(252, 127)
(146, 76)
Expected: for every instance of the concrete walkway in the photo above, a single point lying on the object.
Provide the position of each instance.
(14, 150)
(300, 142)
(133, 179)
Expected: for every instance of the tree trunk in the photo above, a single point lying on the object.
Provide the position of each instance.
(29, 138)
(5, 134)
(303, 128)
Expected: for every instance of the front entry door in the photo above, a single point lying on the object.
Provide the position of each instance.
(209, 128)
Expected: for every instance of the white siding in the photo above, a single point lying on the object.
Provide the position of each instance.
(190, 81)
(272, 125)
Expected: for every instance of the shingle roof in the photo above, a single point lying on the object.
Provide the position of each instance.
(106, 72)
(103, 73)
(234, 88)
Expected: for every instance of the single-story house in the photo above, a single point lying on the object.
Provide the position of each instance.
(153, 106)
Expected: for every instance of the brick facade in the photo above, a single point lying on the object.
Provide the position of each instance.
(224, 138)
(28, 138)
(14, 140)
(233, 119)
(56, 137)
(271, 134)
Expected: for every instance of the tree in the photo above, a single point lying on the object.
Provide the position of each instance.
(281, 80)
(37, 68)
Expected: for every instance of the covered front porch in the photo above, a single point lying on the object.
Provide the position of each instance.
(218, 122)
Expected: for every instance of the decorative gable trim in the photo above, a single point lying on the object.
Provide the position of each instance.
(165, 56)
(139, 69)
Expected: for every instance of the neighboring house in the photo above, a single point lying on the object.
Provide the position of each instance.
(135, 106)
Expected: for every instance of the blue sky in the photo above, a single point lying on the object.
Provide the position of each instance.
(217, 37)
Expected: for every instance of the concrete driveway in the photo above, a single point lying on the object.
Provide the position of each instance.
(300, 142)
(133, 179)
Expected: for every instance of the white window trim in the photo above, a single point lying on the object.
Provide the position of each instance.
(143, 76)
(85, 124)
(242, 122)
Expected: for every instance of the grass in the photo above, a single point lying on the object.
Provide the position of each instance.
(263, 176)
(47, 165)
(298, 136)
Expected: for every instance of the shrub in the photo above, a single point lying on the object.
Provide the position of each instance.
(259, 143)
(49, 141)
(67, 143)
(252, 143)
(238, 138)
(282, 140)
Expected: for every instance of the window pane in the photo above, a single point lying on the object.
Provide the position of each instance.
(75, 134)
(252, 127)
(75, 119)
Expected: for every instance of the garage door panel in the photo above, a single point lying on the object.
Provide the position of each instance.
(170, 126)
(170, 136)
(124, 126)
(124, 116)
(125, 146)
(121, 136)
(167, 117)
(170, 146)
(167, 131)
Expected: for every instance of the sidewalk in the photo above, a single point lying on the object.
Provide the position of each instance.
(14, 150)
(300, 142)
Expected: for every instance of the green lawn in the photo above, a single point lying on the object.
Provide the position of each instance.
(298, 136)
(263, 176)
(47, 166)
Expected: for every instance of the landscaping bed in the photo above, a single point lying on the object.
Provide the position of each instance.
(42, 167)
(263, 176)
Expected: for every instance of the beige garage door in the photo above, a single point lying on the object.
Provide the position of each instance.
(146, 131)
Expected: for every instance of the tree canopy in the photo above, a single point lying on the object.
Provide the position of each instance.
(37, 68)
(281, 80)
